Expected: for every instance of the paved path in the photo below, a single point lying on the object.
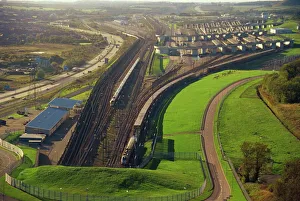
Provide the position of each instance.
(222, 189)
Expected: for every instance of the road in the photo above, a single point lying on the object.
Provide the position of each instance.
(222, 189)
(67, 78)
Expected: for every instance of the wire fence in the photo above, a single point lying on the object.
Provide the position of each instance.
(59, 195)
(276, 64)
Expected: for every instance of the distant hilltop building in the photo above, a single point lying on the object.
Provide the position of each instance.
(264, 15)
(280, 31)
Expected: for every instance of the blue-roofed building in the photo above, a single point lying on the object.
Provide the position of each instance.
(64, 103)
(47, 121)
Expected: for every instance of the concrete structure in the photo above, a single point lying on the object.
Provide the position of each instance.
(32, 138)
(47, 121)
(298, 27)
(280, 31)
(64, 103)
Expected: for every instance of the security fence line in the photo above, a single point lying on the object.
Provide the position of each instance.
(16, 150)
(59, 195)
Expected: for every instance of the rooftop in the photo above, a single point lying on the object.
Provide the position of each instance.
(33, 136)
(47, 119)
(64, 103)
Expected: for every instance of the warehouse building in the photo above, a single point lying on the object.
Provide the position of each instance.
(280, 31)
(47, 121)
(64, 103)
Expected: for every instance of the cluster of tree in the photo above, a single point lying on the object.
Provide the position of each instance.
(288, 186)
(285, 86)
(256, 156)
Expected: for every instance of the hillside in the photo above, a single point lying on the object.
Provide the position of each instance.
(110, 181)
(291, 2)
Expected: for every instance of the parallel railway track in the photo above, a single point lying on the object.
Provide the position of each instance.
(92, 124)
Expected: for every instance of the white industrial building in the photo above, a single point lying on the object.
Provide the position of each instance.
(280, 31)
(50, 119)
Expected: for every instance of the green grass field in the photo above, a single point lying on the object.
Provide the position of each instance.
(157, 68)
(109, 181)
(185, 113)
(244, 117)
(182, 120)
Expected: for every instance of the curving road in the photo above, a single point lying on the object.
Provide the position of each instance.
(222, 189)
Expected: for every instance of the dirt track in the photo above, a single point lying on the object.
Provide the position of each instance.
(222, 189)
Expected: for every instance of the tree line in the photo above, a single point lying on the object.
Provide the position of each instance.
(285, 85)
(256, 157)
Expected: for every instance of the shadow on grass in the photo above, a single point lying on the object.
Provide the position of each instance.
(153, 164)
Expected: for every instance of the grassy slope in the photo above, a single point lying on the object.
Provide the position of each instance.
(247, 118)
(289, 114)
(185, 112)
(108, 181)
(182, 119)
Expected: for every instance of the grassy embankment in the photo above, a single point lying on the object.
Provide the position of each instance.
(109, 181)
(289, 114)
(245, 117)
(158, 68)
(182, 119)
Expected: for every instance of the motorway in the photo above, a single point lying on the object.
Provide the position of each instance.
(222, 189)
(67, 78)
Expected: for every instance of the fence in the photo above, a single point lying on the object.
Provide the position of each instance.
(276, 64)
(59, 195)
(14, 149)
(177, 155)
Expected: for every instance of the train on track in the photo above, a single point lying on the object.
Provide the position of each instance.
(128, 150)
(117, 93)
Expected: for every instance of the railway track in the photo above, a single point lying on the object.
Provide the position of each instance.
(130, 112)
(93, 122)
